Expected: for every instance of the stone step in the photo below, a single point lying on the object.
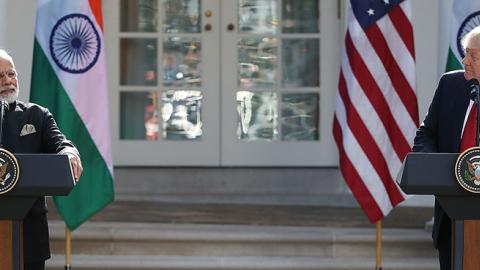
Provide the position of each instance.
(155, 239)
(253, 214)
(120, 262)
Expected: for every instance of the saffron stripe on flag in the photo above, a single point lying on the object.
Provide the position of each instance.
(96, 7)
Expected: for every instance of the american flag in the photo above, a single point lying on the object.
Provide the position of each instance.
(376, 113)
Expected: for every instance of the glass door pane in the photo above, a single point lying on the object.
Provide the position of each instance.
(166, 85)
(257, 16)
(277, 106)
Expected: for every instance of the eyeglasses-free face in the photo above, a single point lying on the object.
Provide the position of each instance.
(11, 74)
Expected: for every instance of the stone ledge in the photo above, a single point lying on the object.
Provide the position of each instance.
(237, 263)
(251, 214)
(244, 233)
(120, 238)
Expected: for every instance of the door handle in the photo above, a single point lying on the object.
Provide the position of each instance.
(207, 27)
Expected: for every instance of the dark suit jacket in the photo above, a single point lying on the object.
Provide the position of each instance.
(47, 138)
(441, 130)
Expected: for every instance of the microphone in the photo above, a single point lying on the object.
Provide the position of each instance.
(473, 85)
(3, 106)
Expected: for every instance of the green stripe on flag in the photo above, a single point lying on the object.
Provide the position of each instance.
(452, 62)
(95, 189)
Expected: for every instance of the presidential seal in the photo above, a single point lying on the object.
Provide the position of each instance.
(8, 171)
(467, 169)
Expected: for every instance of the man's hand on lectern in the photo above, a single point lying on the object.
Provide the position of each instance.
(76, 164)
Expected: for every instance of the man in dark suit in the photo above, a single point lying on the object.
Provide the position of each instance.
(443, 129)
(30, 128)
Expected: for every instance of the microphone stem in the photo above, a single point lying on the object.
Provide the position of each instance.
(477, 134)
(2, 114)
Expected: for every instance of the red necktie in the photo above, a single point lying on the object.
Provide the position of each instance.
(468, 136)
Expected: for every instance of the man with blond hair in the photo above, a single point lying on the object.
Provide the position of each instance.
(450, 127)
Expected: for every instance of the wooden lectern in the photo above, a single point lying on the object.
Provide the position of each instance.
(434, 174)
(39, 175)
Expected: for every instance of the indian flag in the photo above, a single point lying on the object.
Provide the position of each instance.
(465, 17)
(69, 77)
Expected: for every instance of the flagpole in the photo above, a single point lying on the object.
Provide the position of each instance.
(68, 249)
(378, 247)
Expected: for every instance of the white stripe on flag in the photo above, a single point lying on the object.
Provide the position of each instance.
(362, 164)
(376, 68)
(405, 6)
(375, 122)
(370, 117)
(399, 49)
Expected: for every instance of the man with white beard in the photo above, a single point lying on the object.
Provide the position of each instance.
(30, 128)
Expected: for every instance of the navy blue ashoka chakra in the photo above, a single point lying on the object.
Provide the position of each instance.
(472, 21)
(75, 43)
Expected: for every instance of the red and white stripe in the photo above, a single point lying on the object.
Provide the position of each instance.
(376, 113)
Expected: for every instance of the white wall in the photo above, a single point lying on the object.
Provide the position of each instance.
(3, 27)
(425, 21)
(17, 26)
(18, 22)
(443, 37)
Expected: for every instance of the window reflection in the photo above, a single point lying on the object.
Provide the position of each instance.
(181, 16)
(138, 15)
(257, 62)
(300, 62)
(139, 116)
(300, 117)
(300, 16)
(257, 116)
(181, 62)
(258, 16)
(182, 115)
(138, 61)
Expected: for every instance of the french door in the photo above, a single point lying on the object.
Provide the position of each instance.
(222, 83)
(278, 100)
